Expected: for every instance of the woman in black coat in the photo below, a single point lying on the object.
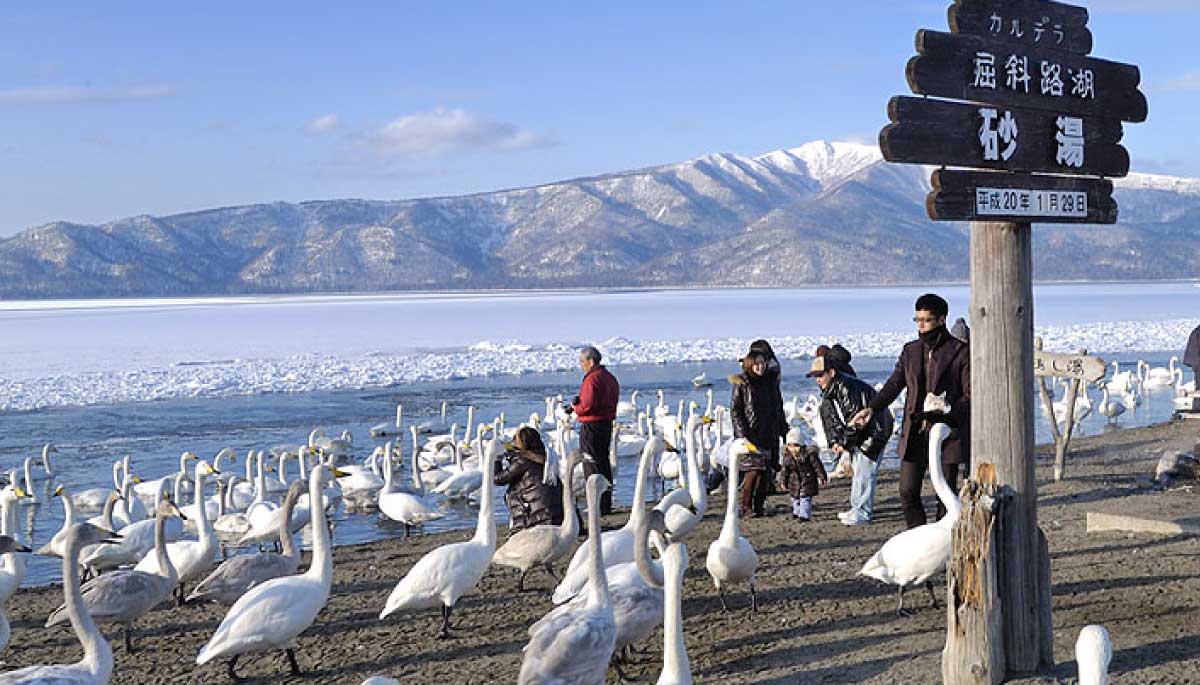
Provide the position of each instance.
(530, 501)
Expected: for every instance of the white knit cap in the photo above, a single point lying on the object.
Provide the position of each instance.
(795, 437)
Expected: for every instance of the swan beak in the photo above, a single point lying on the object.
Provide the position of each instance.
(136, 479)
(751, 449)
(707, 419)
(21, 548)
(213, 472)
(58, 491)
(670, 447)
(509, 446)
(52, 449)
(270, 469)
(338, 473)
(188, 456)
(20, 493)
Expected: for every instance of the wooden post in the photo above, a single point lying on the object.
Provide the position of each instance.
(974, 652)
(1064, 441)
(1002, 428)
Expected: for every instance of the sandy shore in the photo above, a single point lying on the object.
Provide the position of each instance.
(818, 621)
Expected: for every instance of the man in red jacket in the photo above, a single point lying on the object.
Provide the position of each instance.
(596, 408)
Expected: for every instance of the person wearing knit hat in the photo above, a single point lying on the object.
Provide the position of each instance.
(801, 474)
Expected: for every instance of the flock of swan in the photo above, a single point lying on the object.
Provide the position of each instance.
(152, 540)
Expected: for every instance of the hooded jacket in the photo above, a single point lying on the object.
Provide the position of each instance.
(844, 397)
(801, 474)
(530, 501)
(756, 408)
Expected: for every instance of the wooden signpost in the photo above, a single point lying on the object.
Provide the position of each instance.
(1079, 369)
(1043, 119)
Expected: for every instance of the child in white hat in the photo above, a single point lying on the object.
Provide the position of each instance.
(801, 474)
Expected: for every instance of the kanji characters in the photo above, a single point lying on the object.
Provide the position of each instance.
(1017, 70)
(1070, 141)
(1084, 83)
(996, 128)
(1052, 83)
(985, 70)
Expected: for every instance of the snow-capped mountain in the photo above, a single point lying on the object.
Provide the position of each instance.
(821, 213)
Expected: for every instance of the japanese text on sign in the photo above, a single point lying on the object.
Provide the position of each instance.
(1026, 202)
(997, 128)
(1044, 30)
(1017, 76)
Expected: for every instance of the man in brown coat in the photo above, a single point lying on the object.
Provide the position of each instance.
(934, 364)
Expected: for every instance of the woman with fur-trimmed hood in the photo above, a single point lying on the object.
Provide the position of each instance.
(530, 501)
(756, 408)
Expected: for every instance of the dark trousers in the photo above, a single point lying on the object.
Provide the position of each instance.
(756, 485)
(594, 440)
(912, 477)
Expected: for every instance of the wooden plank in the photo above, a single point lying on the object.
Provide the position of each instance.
(1080, 366)
(945, 133)
(991, 196)
(1002, 435)
(1098, 522)
(956, 66)
(1034, 23)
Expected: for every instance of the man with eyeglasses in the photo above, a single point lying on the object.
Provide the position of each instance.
(937, 365)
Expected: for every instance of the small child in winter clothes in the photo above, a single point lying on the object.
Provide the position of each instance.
(801, 474)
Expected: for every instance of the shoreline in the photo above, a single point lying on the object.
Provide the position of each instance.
(818, 621)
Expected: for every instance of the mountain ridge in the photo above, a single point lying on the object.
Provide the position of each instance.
(821, 213)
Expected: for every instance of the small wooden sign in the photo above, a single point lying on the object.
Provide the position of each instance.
(944, 133)
(966, 67)
(1074, 366)
(1033, 23)
(991, 196)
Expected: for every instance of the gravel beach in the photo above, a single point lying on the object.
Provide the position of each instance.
(819, 622)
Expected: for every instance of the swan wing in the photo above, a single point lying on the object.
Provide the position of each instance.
(911, 556)
(268, 616)
(55, 674)
(528, 547)
(119, 596)
(430, 580)
(570, 647)
(234, 577)
(617, 546)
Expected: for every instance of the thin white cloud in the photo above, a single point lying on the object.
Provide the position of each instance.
(1144, 6)
(443, 131)
(1189, 81)
(58, 95)
(322, 124)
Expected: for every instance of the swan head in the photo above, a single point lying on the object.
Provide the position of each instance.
(167, 509)
(1093, 652)
(61, 491)
(203, 468)
(88, 534)
(48, 448)
(8, 545)
(744, 446)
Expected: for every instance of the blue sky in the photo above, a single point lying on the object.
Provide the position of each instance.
(115, 109)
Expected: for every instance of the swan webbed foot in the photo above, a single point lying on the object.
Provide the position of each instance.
(445, 634)
(721, 593)
(900, 610)
(521, 581)
(753, 599)
(291, 655)
(624, 677)
(232, 670)
(933, 601)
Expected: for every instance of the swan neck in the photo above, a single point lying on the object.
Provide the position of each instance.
(165, 567)
(286, 542)
(46, 460)
(109, 505)
(729, 529)
(69, 511)
(599, 575)
(676, 664)
(944, 493)
(322, 560)
(97, 654)
(639, 486)
(204, 525)
(485, 527)
(569, 528)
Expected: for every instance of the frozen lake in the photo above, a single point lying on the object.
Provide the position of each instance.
(256, 372)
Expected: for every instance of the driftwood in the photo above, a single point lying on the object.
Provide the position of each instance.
(974, 651)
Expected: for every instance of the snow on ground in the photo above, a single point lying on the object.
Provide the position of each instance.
(312, 372)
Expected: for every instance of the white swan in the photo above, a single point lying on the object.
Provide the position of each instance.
(236, 576)
(462, 484)
(684, 507)
(57, 546)
(618, 544)
(1121, 381)
(445, 574)
(361, 478)
(387, 430)
(1109, 408)
(272, 615)
(147, 489)
(12, 566)
(630, 407)
(435, 426)
(47, 471)
(1159, 377)
(94, 498)
(1093, 652)
(191, 558)
(572, 645)
(124, 596)
(8, 545)
(96, 666)
(676, 669)
(411, 509)
(230, 524)
(27, 468)
(541, 546)
(132, 510)
(1183, 389)
(731, 558)
(701, 381)
(911, 557)
(136, 540)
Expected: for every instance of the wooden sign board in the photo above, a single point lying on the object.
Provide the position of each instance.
(1033, 23)
(1073, 366)
(965, 67)
(944, 133)
(991, 196)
